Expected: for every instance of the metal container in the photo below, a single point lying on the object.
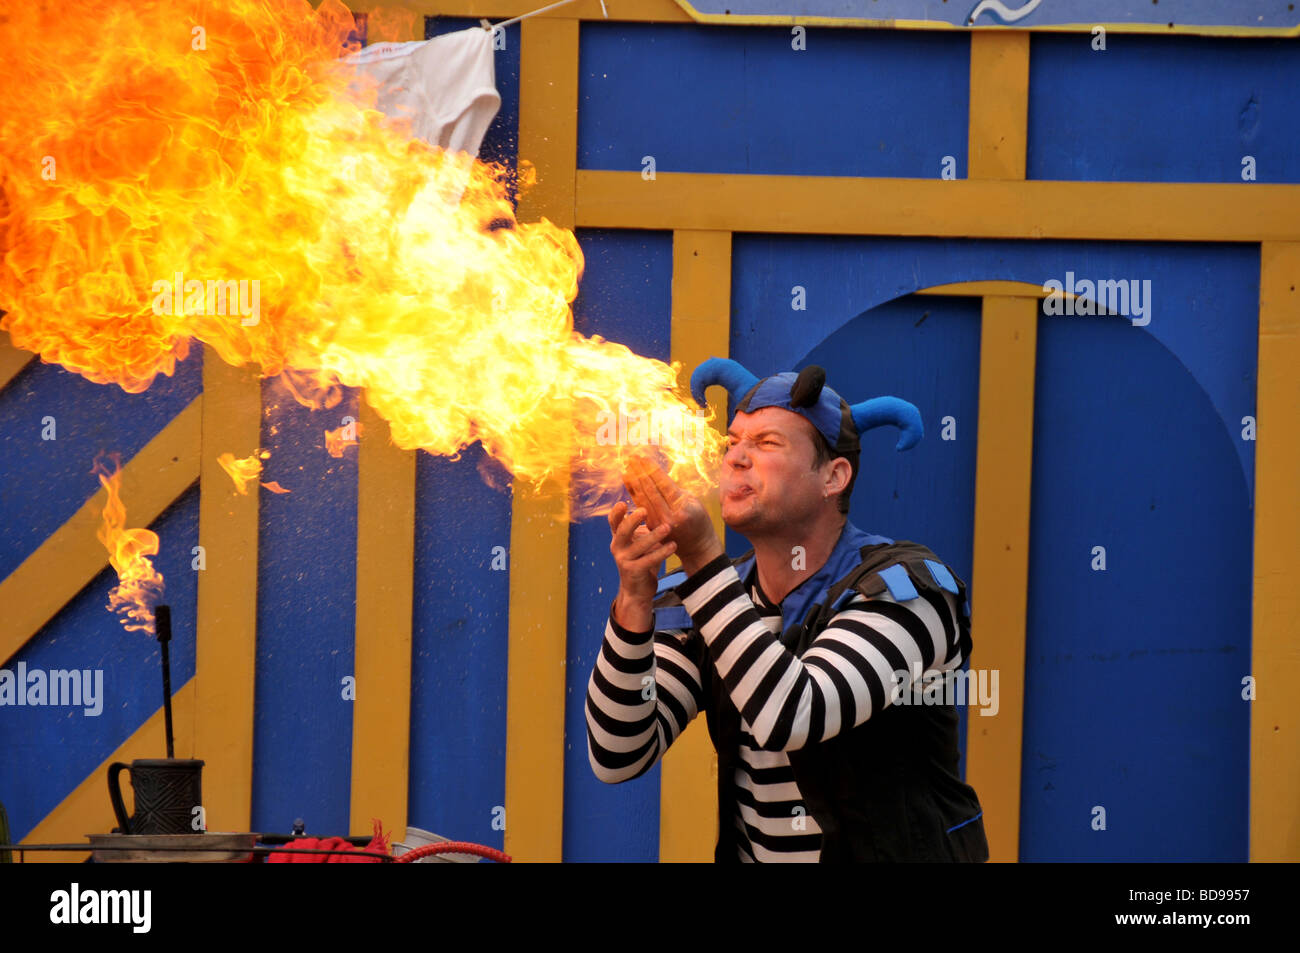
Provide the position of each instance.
(201, 848)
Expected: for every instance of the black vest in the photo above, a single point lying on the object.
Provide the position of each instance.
(887, 790)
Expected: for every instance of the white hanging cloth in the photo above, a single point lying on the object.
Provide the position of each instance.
(445, 86)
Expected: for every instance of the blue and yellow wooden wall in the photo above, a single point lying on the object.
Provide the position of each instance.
(774, 168)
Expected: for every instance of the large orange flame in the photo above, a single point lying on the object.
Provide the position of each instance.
(140, 586)
(209, 169)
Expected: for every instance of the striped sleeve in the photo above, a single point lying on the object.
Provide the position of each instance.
(643, 691)
(848, 672)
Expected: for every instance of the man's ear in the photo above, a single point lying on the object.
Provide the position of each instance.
(841, 473)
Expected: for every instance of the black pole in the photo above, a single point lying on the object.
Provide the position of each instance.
(163, 625)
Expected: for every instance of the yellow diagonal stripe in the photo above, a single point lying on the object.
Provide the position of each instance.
(71, 557)
(87, 809)
(12, 359)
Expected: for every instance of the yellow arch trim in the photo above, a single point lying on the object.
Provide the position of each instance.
(72, 556)
(981, 289)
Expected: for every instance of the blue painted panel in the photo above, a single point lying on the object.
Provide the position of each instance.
(1204, 297)
(461, 619)
(626, 297)
(1133, 675)
(460, 649)
(501, 141)
(306, 618)
(47, 481)
(925, 350)
(1132, 398)
(47, 751)
(723, 99)
(1163, 109)
(1025, 15)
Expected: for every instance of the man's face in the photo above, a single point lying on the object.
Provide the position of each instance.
(767, 482)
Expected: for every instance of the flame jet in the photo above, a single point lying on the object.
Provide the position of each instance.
(225, 141)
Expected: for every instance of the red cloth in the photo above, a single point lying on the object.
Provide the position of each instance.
(377, 843)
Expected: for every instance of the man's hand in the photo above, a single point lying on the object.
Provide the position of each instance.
(667, 505)
(638, 553)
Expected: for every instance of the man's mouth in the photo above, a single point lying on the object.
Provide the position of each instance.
(739, 492)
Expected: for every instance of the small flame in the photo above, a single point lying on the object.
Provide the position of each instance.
(140, 586)
(340, 438)
(241, 471)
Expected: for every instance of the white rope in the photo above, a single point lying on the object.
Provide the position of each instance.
(505, 23)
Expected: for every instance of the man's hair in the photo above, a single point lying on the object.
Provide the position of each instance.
(823, 452)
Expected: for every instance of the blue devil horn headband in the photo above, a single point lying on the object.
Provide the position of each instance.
(724, 371)
(890, 410)
(806, 394)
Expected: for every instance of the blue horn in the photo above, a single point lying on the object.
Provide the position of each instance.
(890, 410)
(724, 371)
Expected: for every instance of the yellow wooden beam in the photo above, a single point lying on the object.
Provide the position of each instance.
(1003, 471)
(997, 138)
(548, 117)
(72, 556)
(539, 554)
(12, 359)
(381, 710)
(683, 11)
(999, 105)
(701, 328)
(381, 713)
(539, 529)
(1275, 652)
(226, 651)
(974, 208)
(87, 810)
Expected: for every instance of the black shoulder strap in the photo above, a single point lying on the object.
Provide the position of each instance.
(924, 571)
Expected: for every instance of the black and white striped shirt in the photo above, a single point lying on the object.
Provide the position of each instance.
(645, 689)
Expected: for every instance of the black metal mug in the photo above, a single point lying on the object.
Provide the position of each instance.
(167, 790)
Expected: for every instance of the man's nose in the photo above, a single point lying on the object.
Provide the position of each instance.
(736, 455)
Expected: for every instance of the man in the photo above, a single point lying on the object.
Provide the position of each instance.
(799, 652)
